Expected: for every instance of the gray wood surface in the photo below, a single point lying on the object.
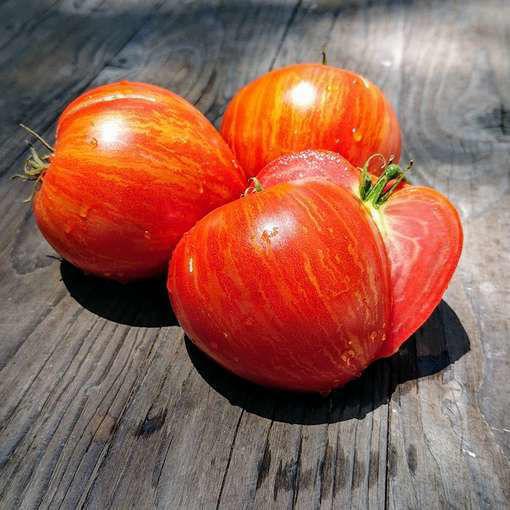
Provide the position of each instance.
(103, 404)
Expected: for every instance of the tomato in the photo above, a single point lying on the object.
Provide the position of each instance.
(134, 167)
(311, 163)
(288, 287)
(310, 106)
(420, 228)
(423, 236)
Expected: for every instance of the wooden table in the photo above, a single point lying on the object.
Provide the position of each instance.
(103, 404)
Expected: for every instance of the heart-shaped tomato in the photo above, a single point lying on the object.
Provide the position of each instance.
(421, 230)
(289, 287)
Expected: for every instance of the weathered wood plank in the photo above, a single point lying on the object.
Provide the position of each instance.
(58, 48)
(444, 425)
(104, 406)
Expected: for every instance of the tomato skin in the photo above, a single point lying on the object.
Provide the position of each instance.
(310, 106)
(308, 164)
(134, 167)
(312, 163)
(423, 237)
(288, 287)
(421, 230)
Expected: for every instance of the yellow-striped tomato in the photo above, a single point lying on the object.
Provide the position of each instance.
(310, 106)
(316, 272)
(420, 228)
(288, 287)
(134, 167)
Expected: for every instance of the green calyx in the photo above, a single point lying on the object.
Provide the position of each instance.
(35, 165)
(254, 186)
(376, 193)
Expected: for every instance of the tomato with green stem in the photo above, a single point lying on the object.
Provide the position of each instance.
(420, 228)
(287, 287)
(134, 167)
(317, 271)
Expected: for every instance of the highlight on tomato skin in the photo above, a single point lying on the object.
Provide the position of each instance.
(421, 230)
(310, 106)
(246, 280)
(134, 167)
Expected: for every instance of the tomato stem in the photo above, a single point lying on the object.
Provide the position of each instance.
(38, 136)
(324, 58)
(254, 186)
(375, 192)
(35, 165)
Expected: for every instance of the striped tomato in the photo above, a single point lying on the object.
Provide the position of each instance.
(316, 272)
(134, 167)
(420, 228)
(288, 287)
(310, 106)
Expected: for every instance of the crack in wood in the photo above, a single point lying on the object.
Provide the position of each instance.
(229, 459)
(265, 463)
(285, 32)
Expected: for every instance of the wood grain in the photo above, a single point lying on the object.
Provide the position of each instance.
(102, 402)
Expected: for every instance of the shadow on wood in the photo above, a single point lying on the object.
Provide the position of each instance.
(143, 304)
(439, 343)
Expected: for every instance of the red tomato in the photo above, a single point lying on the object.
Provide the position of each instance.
(420, 228)
(288, 287)
(134, 167)
(310, 106)
(310, 163)
(423, 236)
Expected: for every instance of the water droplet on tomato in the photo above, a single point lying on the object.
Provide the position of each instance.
(268, 234)
(365, 82)
(84, 211)
(356, 135)
(146, 234)
(347, 357)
